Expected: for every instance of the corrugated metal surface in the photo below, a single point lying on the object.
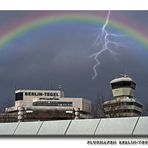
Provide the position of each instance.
(8, 128)
(116, 126)
(28, 128)
(83, 127)
(141, 127)
(107, 126)
(54, 127)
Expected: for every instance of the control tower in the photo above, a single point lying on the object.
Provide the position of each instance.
(123, 104)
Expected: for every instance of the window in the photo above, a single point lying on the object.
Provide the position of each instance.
(127, 84)
(19, 96)
(113, 105)
(52, 103)
(123, 111)
(133, 85)
(139, 105)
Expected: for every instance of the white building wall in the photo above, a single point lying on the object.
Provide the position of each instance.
(28, 100)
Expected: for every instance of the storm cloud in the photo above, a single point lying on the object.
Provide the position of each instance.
(59, 54)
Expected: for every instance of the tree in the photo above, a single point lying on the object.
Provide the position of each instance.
(97, 107)
(145, 110)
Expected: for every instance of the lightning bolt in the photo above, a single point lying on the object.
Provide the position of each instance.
(102, 41)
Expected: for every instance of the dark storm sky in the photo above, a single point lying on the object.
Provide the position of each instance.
(59, 54)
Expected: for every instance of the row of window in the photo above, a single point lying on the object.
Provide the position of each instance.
(123, 111)
(123, 84)
(123, 103)
(50, 103)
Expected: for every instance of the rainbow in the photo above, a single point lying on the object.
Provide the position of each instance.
(8, 36)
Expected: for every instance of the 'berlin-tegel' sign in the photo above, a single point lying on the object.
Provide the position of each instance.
(51, 94)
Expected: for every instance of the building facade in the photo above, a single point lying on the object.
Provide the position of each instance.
(48, 100)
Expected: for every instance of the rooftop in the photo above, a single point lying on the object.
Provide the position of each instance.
(122, 78)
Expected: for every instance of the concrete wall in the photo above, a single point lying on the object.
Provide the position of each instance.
(130, 126)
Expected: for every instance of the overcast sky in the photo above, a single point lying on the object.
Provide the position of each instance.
(60, 54)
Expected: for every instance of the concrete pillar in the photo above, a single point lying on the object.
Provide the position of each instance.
(77, 113)
(21, 113)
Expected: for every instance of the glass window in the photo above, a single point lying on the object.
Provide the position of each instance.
(127, 84)
(52, 103)
(19, 96)
(133, 85)
(124, 83)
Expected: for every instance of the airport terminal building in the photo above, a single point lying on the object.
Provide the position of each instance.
(44, 100)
